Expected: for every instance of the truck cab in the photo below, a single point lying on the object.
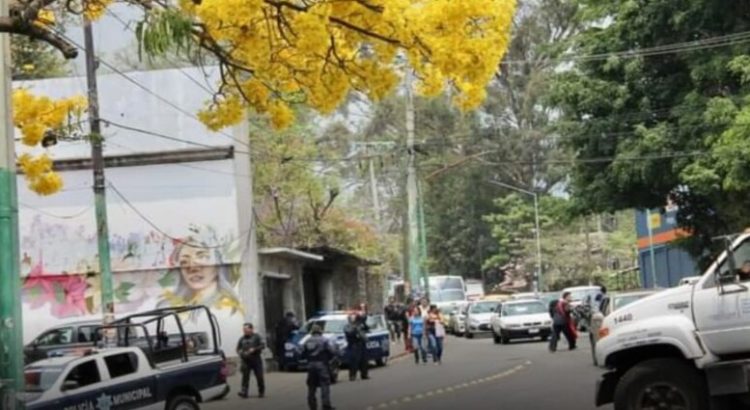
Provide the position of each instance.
(686, 347)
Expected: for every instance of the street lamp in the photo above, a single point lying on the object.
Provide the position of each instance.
(538, 282)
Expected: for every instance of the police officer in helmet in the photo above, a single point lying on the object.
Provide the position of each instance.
(319, 352)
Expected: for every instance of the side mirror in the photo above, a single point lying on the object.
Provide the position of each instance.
(70, 385)
(726, 278)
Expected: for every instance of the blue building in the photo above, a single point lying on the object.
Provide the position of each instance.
(671, 262)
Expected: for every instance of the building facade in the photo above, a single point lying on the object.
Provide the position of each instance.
(660, 260)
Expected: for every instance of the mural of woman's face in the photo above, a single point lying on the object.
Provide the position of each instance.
(198, 268)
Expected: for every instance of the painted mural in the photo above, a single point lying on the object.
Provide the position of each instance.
(165, 254)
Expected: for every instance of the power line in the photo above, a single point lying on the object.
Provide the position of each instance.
(146, 89)
(71, 216)
(674, 48)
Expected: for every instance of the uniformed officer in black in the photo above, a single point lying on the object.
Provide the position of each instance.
(356, 344)
(249, 350)
(319, 352)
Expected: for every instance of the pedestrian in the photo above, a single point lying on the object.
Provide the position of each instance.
(284, 329)
(424, 307)
(416, 330)
(562, 322)
(409, 310)
(249, 350)
(744, 272)
(319, 352)
(436, 333)
(356, 346)
(392, 315)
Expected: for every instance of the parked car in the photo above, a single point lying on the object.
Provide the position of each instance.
(333, 324)
(457, 322)
(521, 319)
(76, 337)
(610, 304)
(478, 316)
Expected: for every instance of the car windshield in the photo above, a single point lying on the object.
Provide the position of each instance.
(446, 295)
(622, 301)
(328, 326)
(582, 294)
(518, 309)
(485, 307)
(41, 379)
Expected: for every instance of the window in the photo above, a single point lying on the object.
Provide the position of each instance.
(485, 307)
(375, 322)
(84, 374)
(85, 334)
(121, 364)
(741, 258)
(519, 309)
(40, 379)
(56, 337)
(328, 326)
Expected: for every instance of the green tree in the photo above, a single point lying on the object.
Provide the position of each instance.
(667, 122)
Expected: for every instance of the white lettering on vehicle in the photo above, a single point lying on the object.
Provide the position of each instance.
(106, 402)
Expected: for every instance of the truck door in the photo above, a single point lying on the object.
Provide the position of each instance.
(723, 317)
(80, 388)
(132, 383)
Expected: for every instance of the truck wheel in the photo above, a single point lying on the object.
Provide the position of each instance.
(661, 384)
(182, 403)
(496, 338)
(504, 338)
(381, 361)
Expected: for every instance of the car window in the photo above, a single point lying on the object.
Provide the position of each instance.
(741, 258)
(121, 364)
(85, 374)
(41, 379)
(59, 336)
(518, 309)
(485, 307)
(85, 334)
(328, 326)
(375, 322)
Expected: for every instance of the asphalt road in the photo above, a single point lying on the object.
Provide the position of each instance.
(475, 374)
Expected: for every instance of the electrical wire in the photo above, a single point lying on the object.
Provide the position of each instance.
(71, 216)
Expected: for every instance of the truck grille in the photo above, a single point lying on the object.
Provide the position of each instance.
(532, 324)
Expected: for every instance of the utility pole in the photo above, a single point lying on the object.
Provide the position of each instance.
(11, 332)
(651, 248)
(375, 198)
(423, 243)
(97, 159)
(411, 187)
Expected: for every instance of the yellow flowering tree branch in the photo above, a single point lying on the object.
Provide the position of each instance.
(37, 116)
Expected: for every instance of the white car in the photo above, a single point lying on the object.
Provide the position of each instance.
(521, 319)
(457, 321)
(478, 317)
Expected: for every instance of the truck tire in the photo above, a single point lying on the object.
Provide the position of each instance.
(182, 403)
(496, 338)
(661, 383)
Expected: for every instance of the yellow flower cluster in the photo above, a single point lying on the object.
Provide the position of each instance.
(34, 116)
(45, 18)
(95, 9)
(320, 51)
(39, 174)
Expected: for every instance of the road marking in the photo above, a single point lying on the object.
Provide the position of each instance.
(449, 389)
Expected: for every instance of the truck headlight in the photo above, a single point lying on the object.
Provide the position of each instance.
(547, 323)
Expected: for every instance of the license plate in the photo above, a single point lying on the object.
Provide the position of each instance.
(533, 331)
(373, 345)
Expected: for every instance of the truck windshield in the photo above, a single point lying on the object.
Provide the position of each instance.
(518, 309)
(447, 295)
(41, 379)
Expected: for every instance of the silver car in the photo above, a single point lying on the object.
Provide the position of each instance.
(457, 321)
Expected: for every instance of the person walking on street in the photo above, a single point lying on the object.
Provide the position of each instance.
(249, 350)
(416, 330)
(436, 333)
(284, 330)
(318, 352)
(392, 315)
(356, 345)
(562, 322)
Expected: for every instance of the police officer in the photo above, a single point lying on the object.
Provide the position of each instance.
(249, 349)
(356, 344)
(319, 352)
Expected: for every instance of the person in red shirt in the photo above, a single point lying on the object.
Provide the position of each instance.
(562, 322)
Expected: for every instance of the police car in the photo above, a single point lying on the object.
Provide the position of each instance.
(333, 324)
(122, 378)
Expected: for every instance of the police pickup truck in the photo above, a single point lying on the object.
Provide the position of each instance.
(121, 379)
(134, 364)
